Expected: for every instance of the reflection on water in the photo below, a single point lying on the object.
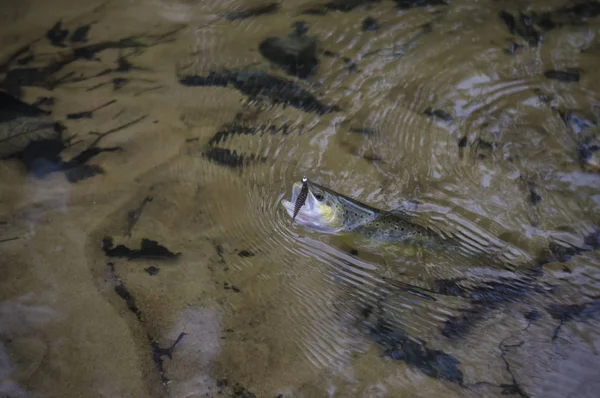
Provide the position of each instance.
(146, 148)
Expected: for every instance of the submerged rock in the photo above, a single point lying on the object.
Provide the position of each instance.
(296, 52)
(370, 24)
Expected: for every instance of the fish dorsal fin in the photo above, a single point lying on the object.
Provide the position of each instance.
(355, 215)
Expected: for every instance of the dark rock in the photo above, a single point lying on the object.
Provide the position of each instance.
(56, 35)
(534, 198)
(370, 24)
(296, 52)
(533, 315)
(245, 253)
(221, 383)
(440, 114)
(152, 270)
(563, 76)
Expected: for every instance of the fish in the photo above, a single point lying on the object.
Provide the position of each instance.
(391, 231)
(330, 212)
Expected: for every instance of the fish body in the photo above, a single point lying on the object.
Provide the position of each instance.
(330, 212)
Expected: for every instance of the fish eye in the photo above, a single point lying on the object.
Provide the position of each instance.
(318, 196)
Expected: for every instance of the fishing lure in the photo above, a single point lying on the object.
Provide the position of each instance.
(301, 198)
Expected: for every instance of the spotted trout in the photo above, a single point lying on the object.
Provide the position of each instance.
(330, 212)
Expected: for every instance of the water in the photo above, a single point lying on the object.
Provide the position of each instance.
(494, 133)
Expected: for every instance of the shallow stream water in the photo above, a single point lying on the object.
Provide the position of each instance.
(146, 146)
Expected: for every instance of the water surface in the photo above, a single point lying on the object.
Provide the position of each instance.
(176, 127)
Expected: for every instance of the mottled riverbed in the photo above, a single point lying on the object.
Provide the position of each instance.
(145, 147)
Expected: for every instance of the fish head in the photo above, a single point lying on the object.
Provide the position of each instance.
(322, 211)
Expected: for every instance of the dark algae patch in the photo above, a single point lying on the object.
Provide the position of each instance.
(89, 114)
(296, 52)
(42, 157)
(239, 127)
(564, 76)
(228, 158)
(80, 34)
(12, 108)
(484, 298)
(432, 362)
(149, 249)
(57, 35)
(340, 6)
(438, 113)
(529, 25)
(269, 8)
(122, 291)
(134, 215)
(572, 312)
(521, 26)
(258, 85)
(18, 74)
(407, 4)
(158, 353)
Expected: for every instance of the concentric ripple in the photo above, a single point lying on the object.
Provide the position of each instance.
(409, 128)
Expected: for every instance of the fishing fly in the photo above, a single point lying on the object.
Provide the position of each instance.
(301, 198)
